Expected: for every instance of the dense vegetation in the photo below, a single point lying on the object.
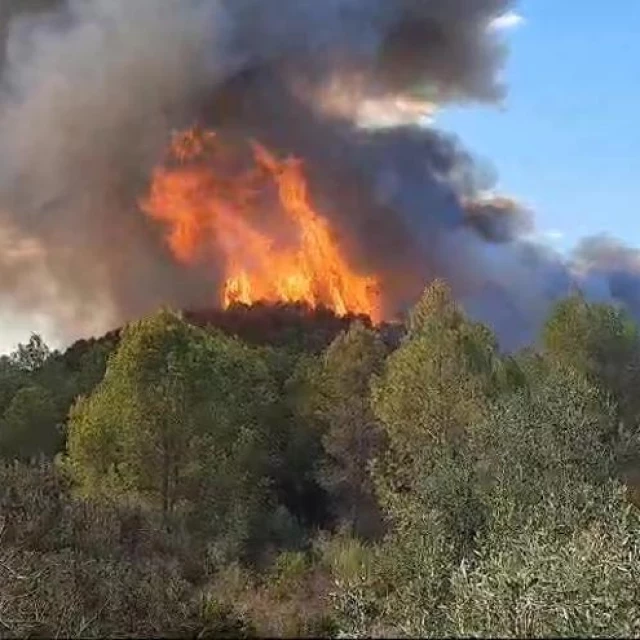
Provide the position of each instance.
(283, 473)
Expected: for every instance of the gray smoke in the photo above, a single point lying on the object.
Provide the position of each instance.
(91, 91)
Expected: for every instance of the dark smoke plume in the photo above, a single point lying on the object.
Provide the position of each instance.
(498, 219)
(91, 91)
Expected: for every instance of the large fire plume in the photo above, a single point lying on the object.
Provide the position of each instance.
(278, 250)
(317, 176)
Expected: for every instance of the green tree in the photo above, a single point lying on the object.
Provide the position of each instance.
(439, 382)
(435, 388)
(178, 421)
(556, 432)
(337, 403)
(473, 522)
(552, 580)
(600, 341)
(12, 377)
(559, 548)
(28, 427)
(301, 451)
(17, 369)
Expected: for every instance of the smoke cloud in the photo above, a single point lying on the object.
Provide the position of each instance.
(91, 90)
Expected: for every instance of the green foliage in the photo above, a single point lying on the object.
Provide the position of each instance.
(334, 401)
(436, 384)
(433, 391)
(539, 458)
(589, 336)
(600, 341)
(12, 378)
(37, 389)
(435, 387)
(551, 579)
(178, 423)
(28, 427)
(458, 502)
(214, 489)
(67, 377)
(533, 463)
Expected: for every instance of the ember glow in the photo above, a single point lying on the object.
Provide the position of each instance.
(259, 221)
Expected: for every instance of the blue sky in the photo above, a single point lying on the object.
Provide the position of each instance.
(566, 142)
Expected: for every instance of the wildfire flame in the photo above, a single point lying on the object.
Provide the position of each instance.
(271, 251)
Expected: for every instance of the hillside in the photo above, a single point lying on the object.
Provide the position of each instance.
(272, 471)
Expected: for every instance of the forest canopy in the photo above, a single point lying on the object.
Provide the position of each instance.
(273, 471)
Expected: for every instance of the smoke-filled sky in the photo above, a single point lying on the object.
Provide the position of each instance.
(91, 90)
(568, 141)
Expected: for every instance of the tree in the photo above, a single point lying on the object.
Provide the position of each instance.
(560, 545)
(301, 452)
(17, 369)
(12, 377)
(439, 381)
(37, 389)
(434, 389)
(556, 433)
(32, 355)
(552, 580)
(600, 341)
(28, 427)
(178, 423)
(472, 522)
(337, 403)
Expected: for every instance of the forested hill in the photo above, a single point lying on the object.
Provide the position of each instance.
(273, 471)
(290, 326)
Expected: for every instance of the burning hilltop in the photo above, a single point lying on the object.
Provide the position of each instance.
(261, 224)
(287, 192)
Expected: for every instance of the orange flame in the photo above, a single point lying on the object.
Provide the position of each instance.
(206, 206)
